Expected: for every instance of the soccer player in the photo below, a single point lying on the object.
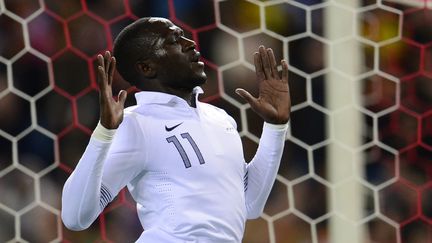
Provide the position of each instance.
(181, 159)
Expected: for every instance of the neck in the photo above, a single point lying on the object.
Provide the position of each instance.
(184, 93)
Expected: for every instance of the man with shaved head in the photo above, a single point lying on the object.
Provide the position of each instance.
(181, 159)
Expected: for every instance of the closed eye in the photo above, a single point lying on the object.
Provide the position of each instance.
(176, 36)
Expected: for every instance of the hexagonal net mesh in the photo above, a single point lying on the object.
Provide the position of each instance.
(357, 160)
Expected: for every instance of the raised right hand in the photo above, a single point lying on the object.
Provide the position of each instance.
(111, 111)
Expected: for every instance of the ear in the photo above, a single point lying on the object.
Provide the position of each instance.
(146, 68)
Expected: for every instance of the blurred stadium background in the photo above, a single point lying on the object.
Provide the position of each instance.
(357, 163)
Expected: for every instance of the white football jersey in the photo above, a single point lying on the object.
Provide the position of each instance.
(184, 167)
(191, 169)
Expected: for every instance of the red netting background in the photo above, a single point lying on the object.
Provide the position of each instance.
(49, 107)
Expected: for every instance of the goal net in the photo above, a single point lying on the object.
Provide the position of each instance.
(357, 159)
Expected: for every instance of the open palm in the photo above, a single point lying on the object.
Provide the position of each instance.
(111, 111)
(273, 103)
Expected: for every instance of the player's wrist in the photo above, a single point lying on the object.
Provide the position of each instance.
(103, 134)
(276, 127)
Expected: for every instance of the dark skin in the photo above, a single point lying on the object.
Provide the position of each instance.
(177, 71)
(176, 68)
(273, 104)
(111, 111)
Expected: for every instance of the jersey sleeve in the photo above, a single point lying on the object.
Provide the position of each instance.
(106, 166)
(126, 158)
(262, 170)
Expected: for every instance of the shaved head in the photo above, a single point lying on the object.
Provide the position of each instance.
(139, 41)
(154, 54)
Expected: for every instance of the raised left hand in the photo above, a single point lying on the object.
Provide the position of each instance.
(274, 102)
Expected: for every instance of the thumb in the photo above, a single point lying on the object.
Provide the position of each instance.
(122, 97)
(246, 96)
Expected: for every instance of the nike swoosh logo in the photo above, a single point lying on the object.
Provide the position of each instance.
(169, 129)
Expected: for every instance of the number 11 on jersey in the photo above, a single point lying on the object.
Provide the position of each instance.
(182, 152)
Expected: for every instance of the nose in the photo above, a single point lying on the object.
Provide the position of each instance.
(188, 44)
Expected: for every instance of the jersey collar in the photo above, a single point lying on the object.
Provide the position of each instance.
(151, 97)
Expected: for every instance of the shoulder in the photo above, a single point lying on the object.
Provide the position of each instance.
(129, 116)
(133, 113)
(129, 126)
(139, 120)
(211, 109)
(214, 110)
(130, 109)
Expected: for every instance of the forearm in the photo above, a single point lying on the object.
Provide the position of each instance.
(262, 170)
(81, 198)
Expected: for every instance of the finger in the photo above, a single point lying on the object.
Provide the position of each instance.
(122, 97)
(247, 96)
(265, 62)
(258, 66)
(105, 90)
(101, 76)
(101, 62)
(284, 71)
(107, 59)
(273, 64)
(101, 82)
(111, 70)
